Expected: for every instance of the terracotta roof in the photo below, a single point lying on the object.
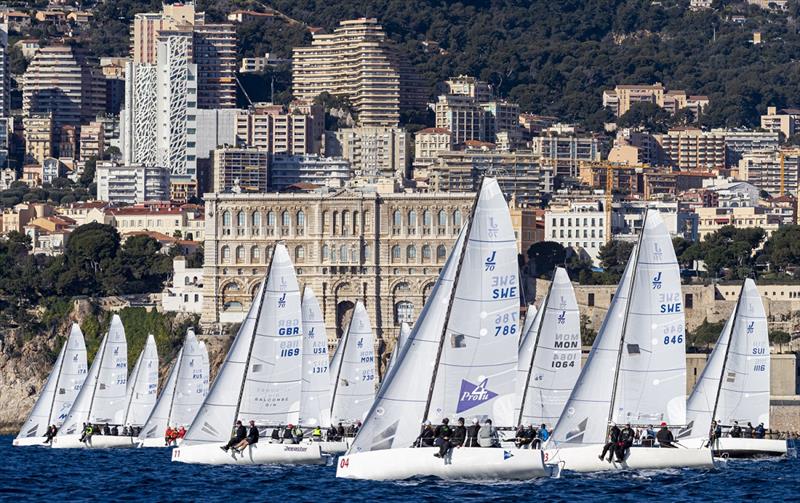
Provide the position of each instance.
(303, 186)
(144, 211)
(434, 130)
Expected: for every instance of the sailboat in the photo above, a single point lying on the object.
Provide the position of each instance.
(260, 380)
(183, 393)
(735, 383)
(353, 373)
(405, 331)
(636, 371)
(59, 391)
(103, 398)
(549, 355)
(460, 360)
(142, 388)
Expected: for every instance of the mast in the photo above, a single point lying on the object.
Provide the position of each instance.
(178, 364)
(535, 348)
(58, 378)
(97, 377)
(450, 302)
(341, 361)
(625, 326)
(253, 338)
(725, 360)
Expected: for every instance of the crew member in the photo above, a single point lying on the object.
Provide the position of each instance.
(250, 439)
(472, 433)
(625, 442)
(736, 431)
(442, 437)
(665, 437)
(487, 435)
(426, 436)
(239, 434)
(613, 438)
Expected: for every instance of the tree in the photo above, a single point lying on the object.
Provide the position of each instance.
(144, 266)
(782, 249)
(545, 257)
(705, 334)
(89, 168)
(780, 337)
(89, 260)
(646, 115)
(614, 256)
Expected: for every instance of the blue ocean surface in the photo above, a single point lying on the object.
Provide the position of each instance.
(43, 474)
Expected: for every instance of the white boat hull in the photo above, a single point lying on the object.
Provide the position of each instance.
(95, 442)
(585, 459)
(262, 453)
(155, 442)
(741, 447)
(334, 448)
(473, 463)
(29, 442)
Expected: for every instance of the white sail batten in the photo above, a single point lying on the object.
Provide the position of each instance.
(585, 416)
(548, 379)
(476, 375)
(651, 385)
(143, 385)
(395, 417)
(315, 402)
(61, 387)
(745, 391)
(216, 416)
(354, 384)
(271, 393)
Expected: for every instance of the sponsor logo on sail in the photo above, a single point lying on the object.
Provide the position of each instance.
(493, 230)
(472, 395)
(657, 281)
(282, 300)
(490, 261)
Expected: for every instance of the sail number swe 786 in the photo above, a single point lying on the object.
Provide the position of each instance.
(505, 324)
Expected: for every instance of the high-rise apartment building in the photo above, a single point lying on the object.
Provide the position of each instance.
(62, 81)
(38, 134)
(131, 184)
(293, 130)
(240, 170)
(356, 62)
(566, 153)
(287, 170)
(777, 172)
(784, 120)
(374, 152)
(5, 77)
(92, 141)
(693, 149)
(463, 116)
(213, 50)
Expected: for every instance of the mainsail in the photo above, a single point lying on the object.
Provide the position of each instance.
(355, 374)
(61, 388)
(102, 398)
(651, 385)
(315, 403)
(550, 355)
(741, 358)
(260, 378)
(142, 389)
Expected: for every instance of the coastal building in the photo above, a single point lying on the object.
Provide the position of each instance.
(92, 143)
(311, 169)
(463, 116)
(5, 75)
(774, 171)
(565, 154)
(185, 294)
(580, 227)
(713, 219)
(741, 142)
(185, 222)
(293, 130)
(38, 134)
(131, 184)
(383, 249)
(373, 152)
(620, 99)
(693, 149)
(465, 85)
(240, 169)
(783, 120)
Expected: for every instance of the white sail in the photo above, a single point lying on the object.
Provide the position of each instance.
(336, 361)
(477, 368)
(110, 397)
(217, 415)
(315, 403)
(354, 384)
(395, 417)
(530, 317)
(157, 423)
(190, 389)
(585, 416)
(61, 388)
(405, 331)
(745, 391)
(651, 385)
(271, 392)
(143, 385)
(548, 379)
(206, 368)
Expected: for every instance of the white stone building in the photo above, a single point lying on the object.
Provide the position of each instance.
(185, 295)
(131, 184)
(581, 227)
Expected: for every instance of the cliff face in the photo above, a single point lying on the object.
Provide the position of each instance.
(25, 364)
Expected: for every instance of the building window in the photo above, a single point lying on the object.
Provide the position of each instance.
(426, 253)
(343, 253)
(255, 254)
(411, 253)
(590, 300)
(365, 253)
(426, 218)
(395, 253)
(325, 252)
(271, 219)
(689, 301)
(255, 219)
(239, 254)
(442, 218)
(397, 218)
(404, 312)
(299, 254)
(240, 219)
(226, 219)
(457, 219)
(285, 219)
(301, 222)
(441, 253)
(412, 218)
(226, 255)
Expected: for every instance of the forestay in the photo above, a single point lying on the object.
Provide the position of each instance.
(551, 362)
(102, 397)
(651, 385)
(61, 388)
(585, 416)
(143, 385)
(315, 402)
(395, 417)
(354, 384)
(476, 375)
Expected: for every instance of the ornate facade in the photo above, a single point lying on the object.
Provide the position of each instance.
(385, 249)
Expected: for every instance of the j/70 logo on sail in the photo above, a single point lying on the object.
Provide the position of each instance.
(657, 281)
(490, 261)
(472, 395)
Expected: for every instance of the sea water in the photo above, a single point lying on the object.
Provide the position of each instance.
(65, 475)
